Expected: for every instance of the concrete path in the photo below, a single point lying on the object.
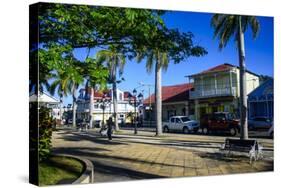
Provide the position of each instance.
(130, 157)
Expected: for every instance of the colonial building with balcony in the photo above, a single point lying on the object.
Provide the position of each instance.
(217, 89)
(103, 105)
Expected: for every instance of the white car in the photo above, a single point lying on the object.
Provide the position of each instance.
(181, 123)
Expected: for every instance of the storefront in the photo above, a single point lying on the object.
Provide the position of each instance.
(209, 106)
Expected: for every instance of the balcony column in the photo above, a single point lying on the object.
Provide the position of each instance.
(186, 108)
(230, 82)
(196, 108)
(216, 84)
(202, 86)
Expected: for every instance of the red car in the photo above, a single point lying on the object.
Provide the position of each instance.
(220, 121)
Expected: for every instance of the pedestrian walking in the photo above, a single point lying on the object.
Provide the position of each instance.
(109, 128)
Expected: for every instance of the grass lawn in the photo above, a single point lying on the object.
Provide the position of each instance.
(59, 170)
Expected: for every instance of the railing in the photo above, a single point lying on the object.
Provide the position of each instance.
(227, 91)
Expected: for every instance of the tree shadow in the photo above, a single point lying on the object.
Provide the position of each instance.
(233, 157)
(194, 144)
(93, 154)
(121, 171)
(75, 137)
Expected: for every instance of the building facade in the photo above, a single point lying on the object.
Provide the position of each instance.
(50, 102)
(103, 105)
(217, 89)
(260, 101)
(175, 101)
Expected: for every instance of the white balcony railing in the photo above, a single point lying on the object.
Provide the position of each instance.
(227, 91)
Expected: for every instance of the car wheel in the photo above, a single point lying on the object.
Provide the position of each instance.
(233, 131)
(166, 129)
(185, 130)
(205, 130)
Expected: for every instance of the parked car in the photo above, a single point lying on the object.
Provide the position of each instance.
(220, 121)
(258, 123)
(180, 123)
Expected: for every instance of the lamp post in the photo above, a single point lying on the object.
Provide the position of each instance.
(133, 100)
(105, 102)
(150, 107)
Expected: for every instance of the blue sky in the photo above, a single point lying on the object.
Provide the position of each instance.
(259, 52)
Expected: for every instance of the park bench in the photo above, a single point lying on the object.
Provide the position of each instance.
(252, 147)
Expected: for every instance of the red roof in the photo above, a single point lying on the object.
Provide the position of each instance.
(174, 93)
(99, 94)
(222, 67)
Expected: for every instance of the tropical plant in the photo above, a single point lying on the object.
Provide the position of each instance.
(96, 75)
(62, 85)
(45, 133)
(75, 79)
(115, 61)
(226, 27)
(165, 46)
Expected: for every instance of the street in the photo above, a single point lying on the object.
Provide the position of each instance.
(144, 156)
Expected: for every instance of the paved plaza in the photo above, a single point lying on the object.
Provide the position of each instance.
(129, 157)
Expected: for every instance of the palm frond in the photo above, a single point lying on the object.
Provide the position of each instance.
(255, 26)
(149, 62)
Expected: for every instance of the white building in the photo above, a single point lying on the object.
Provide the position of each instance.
(103, 99)
(47, 101)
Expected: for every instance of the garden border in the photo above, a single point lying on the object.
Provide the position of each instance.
(88, 174)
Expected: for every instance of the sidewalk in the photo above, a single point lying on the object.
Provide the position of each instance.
(145, 156)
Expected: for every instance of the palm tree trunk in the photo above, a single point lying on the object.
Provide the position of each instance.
(115, 108)
(73, 107)
(61, 113)
(158, 99)
(242, 80)
(91, 107)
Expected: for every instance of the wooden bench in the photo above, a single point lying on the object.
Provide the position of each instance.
(252, 147)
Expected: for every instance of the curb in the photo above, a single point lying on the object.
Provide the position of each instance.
(88, 175)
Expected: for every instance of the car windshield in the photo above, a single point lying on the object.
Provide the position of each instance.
(185, 119)
(227, 116)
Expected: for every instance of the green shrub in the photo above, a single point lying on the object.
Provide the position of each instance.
(45, 133)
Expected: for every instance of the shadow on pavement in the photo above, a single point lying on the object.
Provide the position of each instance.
(91, 154)
(73, 136)
(113, 170)
(159, 142)
(239, 158)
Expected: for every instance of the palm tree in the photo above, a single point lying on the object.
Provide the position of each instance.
(115, 61)
(161, 60)
(61, 84)
(226, 26)
(75, 78)
(89, 87)
(95, 75)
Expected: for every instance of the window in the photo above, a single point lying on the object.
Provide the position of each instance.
(172, 120)
(185, 119)
(120, 96)
(178, 120)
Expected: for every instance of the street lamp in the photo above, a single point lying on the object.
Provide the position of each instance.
(105, 102)
(150, 107)
(133, 100)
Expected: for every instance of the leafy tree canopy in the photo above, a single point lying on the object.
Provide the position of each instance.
(63, 28)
